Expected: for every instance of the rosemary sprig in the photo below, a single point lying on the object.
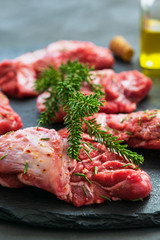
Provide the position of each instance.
(94, 130)
(63, 86)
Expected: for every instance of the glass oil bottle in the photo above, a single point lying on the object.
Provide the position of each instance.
(150, 34)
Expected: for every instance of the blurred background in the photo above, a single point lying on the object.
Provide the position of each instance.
(26, 25)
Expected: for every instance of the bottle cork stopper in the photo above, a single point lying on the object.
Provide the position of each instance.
(121, 48)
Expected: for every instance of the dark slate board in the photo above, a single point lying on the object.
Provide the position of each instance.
(39, 208)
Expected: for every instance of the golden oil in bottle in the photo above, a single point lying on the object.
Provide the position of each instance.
(150, 44)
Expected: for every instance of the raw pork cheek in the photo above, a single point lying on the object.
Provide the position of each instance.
(51, 169)
(122, 91)
(17, 76)
(139, 129)
(9, 120)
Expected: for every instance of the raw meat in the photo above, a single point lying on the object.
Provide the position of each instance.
(138, 129)
(9, 120)
(17, 76)
(122, 91)
(50, 168)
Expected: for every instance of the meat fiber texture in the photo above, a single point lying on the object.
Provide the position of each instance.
(139, 129)
(122, 91)
(51, 169)
(9, 120)
(17, 76)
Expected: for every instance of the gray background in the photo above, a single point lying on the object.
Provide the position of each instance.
(26, 25)
(29, 24)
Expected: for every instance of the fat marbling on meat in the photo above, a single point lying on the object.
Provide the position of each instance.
(51, 169)
(138, 129)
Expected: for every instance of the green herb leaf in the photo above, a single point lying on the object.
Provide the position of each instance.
(39, 122)
(122, 120)
(153, 116)
(83, 175)
(137, 200)
(136, 168)
(94, 130)
(139, 122)
(129, 133)
(126, 165)
(95, 170)
(26, 167)
(44, 138)
(88, 155)
(3, 156)
(146, 111)
(84, 190)
(9, 132)
(105, 198)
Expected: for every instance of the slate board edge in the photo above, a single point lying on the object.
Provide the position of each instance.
(105, 221)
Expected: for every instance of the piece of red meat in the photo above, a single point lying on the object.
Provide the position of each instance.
(17, 76)
(122, 91)
(139, 129)
(9, 120)
(50, 168)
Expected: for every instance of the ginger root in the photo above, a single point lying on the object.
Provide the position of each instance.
(121, 48)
